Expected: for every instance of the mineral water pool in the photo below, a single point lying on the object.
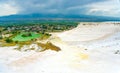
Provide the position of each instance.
(5, 69)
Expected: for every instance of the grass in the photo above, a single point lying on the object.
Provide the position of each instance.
(8, 44)
(48, 45)
(44, 46)
(20, 38)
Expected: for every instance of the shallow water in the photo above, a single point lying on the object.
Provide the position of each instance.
(4, 68)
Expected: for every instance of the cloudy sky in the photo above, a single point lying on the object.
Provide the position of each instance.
(87, 7)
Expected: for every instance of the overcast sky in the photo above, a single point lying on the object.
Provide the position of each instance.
(87, 7)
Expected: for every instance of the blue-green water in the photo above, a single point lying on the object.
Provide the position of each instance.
(5, 69)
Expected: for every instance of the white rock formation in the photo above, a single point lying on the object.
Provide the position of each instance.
(34, 47)
(86, 49)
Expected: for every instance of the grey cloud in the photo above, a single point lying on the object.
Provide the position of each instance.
(51, 6)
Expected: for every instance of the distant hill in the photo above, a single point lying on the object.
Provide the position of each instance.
(37, 16)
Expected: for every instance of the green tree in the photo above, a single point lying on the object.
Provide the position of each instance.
(8, 40)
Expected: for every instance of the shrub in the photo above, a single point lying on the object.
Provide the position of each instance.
(16, 42)
(8, 40)
(26, 35)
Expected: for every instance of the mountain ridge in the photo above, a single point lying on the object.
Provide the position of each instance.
(37, 16)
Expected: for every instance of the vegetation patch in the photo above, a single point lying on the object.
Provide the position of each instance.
(49, 45)
(26, 36)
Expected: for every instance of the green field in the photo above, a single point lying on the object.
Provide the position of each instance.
(19, 37)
